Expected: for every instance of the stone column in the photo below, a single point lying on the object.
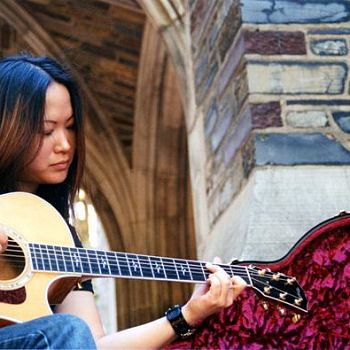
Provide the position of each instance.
(273, 109)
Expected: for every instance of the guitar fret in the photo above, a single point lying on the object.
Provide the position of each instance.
(55, 258)
(93, 259)
(97, 262)
(189, 269)
(46, 260)
(134, 265)
(34, 256)
(123, 264)
(77, 265)
(61, 259)
(107, 261)
(102, 263)
(67, 258)
(50, 259)
(197, 271)
(228, 270)
(150, 265)
(140, 265)
(157, 267)
(249, 281)
(170, 269)
(183, 270)
(114, 267)
(86, 266)
(146, 267)
(117, 261)
(88, 259)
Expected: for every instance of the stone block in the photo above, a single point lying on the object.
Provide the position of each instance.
(228, 31)
(220, 131)
(298, 148)
(248, 157)
(292, 11)
(201, 68)
(289, 77)
(234, 58)
(210, 119)
(206, 84)
(307, 119)
(275, 43)
(266, 115)
(343, 120)
(199, 18)
(330, 47)
(236, 138)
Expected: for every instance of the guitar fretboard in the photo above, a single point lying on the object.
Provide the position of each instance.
(101, 263)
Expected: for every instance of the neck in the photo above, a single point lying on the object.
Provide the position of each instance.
(27, 187)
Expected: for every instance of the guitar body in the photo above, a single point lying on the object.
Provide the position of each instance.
(321, 263)
(25, 294)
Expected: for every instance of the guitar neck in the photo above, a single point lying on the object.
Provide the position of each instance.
(99, 263)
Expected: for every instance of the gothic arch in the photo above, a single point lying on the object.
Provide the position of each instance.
(145, 206)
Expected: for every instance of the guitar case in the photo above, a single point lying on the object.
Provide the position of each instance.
(320, 261)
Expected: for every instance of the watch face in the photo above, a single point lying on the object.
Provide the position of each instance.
(174, 313)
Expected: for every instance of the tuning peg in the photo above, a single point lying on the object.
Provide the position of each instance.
(283, 295)
(291, 280)
(276, 276)
(296, 318)
(267, 290)
(298, 301)
(262, 272)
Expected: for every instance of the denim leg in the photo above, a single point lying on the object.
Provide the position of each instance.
(58, 331)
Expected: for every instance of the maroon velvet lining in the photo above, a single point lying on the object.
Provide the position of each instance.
(321, 264)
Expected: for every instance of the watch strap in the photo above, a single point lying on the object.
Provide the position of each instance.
(181, 327)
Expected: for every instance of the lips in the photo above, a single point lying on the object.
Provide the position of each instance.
(63, 165)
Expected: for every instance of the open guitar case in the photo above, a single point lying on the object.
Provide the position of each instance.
(320, 261)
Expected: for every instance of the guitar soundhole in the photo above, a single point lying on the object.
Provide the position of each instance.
(12, 261)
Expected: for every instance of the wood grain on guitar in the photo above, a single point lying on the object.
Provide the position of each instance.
(41, 264)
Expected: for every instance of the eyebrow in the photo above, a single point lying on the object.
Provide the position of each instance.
(54, 122)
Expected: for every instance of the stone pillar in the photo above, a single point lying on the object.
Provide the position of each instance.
(273, 111)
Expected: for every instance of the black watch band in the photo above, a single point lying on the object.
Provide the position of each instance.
(177, 321)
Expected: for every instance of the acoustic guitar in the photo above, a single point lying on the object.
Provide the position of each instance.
(41, 264)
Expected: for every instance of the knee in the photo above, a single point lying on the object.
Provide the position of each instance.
(67, 322)
(75, 329)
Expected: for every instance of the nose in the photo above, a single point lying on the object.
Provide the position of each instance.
(63, 142)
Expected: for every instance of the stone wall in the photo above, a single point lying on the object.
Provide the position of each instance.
(272, 93)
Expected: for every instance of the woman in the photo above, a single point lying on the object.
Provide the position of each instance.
(42, 152)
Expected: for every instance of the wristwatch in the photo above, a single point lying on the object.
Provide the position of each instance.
(181, 327)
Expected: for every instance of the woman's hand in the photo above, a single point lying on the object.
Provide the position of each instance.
(218, 293)
(3, 242)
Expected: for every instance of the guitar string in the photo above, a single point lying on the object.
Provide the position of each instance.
(125, 263)
(277, 289)
(194, 268)
(125, 259)
(257, 281)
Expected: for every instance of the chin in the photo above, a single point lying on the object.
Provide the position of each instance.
(55, 180)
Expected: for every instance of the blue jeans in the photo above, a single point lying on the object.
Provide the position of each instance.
(57, 331)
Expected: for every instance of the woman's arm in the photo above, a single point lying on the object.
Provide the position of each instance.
(218, 293)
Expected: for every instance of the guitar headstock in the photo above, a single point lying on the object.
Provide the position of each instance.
(278, 287)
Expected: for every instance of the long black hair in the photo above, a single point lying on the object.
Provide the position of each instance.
(24, 80)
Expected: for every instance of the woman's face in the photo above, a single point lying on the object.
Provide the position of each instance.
(51, 163)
